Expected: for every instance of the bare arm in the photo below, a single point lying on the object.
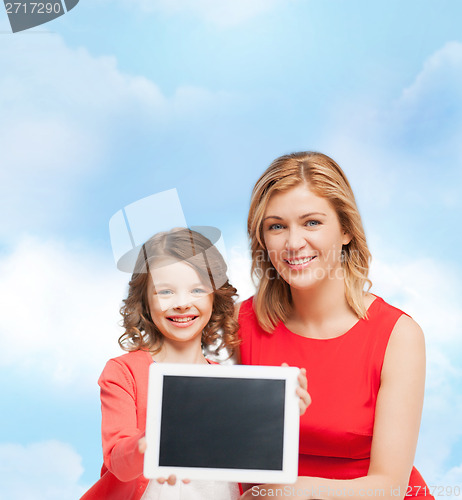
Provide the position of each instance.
(396, 428)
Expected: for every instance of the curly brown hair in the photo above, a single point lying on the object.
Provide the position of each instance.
(183, 244)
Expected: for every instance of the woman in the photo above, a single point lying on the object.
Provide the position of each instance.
(365, 360)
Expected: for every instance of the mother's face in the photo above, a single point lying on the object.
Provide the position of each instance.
(303, 237)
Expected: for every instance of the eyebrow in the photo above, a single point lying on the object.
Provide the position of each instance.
(161, 285)
(304, 216)
(171, 285)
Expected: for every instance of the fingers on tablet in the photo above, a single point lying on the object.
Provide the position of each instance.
(142, 445)
(171, 480)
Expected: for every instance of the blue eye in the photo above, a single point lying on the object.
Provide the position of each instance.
(275, 227)
(164, 292)
(312, 223)
(198, 291)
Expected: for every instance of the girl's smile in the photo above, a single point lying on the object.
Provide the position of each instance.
(180, 303)
(182, 321)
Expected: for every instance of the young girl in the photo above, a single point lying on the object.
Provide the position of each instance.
(179, 298)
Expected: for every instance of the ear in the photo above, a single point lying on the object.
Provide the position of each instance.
(346, 238)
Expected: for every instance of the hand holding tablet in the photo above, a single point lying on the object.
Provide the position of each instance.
(223, 423)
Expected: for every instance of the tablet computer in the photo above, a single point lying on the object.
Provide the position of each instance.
(222, 423)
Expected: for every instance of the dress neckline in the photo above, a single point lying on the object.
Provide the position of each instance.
(153, 360)
(360, 321)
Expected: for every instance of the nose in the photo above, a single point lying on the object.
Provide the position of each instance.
(295, 239)
(183, 302)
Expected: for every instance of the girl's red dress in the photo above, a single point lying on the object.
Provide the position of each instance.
(124, 395)
(343, 381)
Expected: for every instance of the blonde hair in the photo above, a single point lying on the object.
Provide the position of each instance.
(272, 301)
(185, 245)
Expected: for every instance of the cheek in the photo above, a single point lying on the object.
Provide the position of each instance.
(208, 305)
(270, 255)
(156, 306)
(274, 245)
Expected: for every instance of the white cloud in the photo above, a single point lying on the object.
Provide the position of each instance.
(222, 12)
(413, 284)
(239, 263)
(40, 471)
(58, 109)
(391, 149)
(61, 305)
(431, 293)
(451, 484)
(63, 113)
(438, 84)
(427, 117)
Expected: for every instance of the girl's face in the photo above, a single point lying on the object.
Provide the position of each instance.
(303, 237)
(179, 302)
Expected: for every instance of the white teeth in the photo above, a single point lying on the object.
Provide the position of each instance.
(297, 262)
(182, 320)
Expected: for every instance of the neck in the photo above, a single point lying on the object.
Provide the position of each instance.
(180, 352)
(318, 304)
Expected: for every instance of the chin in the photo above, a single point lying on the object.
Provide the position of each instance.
(300, 283)
(302, 286)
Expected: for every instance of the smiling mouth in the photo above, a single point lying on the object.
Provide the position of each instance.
(182, 319)
(299, 262)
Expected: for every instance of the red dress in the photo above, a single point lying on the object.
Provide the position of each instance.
(343, 380)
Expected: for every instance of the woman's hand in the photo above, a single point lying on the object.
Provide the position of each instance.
(161, 480)
(302, 393)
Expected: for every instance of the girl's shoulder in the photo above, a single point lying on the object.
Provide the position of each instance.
(133, 358)
(129, 366)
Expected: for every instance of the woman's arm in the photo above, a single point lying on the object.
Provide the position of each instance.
(396, 429)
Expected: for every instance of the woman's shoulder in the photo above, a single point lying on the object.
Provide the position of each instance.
(377, 306)
(393, 319)
(244, 307)
(245, 313)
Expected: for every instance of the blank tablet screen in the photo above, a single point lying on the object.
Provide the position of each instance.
(223, 423)
(222, 412)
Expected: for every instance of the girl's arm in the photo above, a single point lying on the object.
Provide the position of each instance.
(396, 428)
(120, 434)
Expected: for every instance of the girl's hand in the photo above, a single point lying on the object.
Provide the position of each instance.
(142, 445)
(305, 398)
(161, 480)
(171, 480)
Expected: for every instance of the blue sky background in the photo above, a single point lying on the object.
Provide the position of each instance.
(119, 99)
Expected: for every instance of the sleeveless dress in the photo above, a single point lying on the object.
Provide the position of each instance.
(343, 380)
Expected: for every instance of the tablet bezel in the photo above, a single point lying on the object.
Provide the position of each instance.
(289, 471)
